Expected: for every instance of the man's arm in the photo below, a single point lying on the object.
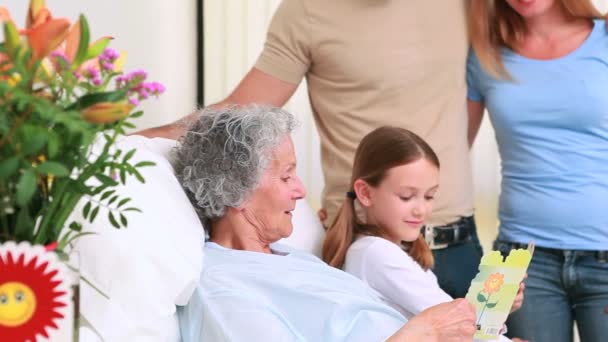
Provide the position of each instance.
(475, 110)
(256, 87)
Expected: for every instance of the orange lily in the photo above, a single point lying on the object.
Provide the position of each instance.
(44, 33)
(72, 42)
(106, 112)
(47, 36)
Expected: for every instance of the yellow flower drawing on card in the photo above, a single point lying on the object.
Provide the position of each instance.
(492, 285)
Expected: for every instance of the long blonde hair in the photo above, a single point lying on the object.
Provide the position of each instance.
(379, 151)
(494, 24)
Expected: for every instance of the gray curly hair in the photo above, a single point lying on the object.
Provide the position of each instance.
(225, 152)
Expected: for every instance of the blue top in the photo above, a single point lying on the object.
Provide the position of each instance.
(285, 296)
(551, 126)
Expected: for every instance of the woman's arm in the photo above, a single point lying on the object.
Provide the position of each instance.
(447, 322)
(475, 110)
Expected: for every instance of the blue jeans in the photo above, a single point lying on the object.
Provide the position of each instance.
(563, 286)
(457, 265)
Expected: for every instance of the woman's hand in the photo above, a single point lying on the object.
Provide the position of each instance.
(448, 322)
(519, 298)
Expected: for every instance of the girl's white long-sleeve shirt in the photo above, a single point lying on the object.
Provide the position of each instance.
(400, 280)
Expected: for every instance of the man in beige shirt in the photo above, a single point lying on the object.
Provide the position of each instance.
(370, 63)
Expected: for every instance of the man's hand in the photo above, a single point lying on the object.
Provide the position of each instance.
(448, 322)
(322, 214)
(170, 131)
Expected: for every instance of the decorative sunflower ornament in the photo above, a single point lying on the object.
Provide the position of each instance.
(33, 293)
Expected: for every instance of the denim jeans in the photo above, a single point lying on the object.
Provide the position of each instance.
(563, 286)
(457, 265)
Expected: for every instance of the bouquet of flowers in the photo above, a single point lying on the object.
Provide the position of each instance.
(60, 94)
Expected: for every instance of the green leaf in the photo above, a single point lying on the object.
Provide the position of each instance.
(86, 210)
(75, 226)
(113, 220)
(133, 209)
(106, 180)
(107, 194)
(26, 187)
(33, 142)
(145, 163)
(25, 225)
(128, 156)
(93, 98)
(53, 145)
(481, 298)
(113, 199)
(123, 176)
(9, 166)
(53, 168)
(123, 220)
(83, 45)
(97, 48)
(94, 214)
(136, 115)
(123, 202)
(491, 305)
(139, 177)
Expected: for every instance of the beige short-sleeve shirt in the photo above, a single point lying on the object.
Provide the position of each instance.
(370, 63)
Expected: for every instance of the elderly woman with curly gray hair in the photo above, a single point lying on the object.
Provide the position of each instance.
(238, 167)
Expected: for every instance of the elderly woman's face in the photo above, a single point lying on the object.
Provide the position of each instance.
(269, 209)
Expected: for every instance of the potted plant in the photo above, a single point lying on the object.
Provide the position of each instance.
(64, 102)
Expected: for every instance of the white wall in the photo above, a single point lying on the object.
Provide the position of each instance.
(159, 36)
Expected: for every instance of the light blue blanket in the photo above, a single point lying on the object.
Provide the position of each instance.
(285, 296)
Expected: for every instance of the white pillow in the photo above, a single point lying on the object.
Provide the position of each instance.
(308, 232)
(154, 264)
(151, 266)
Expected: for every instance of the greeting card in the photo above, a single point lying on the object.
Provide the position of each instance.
(493, 290)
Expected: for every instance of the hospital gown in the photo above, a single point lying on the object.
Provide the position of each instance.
(284, 296)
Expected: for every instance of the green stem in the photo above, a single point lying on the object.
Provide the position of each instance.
(58, 192)
(64, 213)
(484, 308)
(3, 214)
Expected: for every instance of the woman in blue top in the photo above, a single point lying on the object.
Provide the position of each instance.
(540, 67)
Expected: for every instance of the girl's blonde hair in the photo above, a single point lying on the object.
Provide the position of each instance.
(379, 151)
(493, 24)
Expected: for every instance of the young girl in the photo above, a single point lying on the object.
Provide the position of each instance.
(395, 178)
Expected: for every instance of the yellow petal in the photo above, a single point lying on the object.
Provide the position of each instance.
(119, 63)
(37, 13)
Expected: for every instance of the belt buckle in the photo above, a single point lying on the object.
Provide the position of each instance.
(429, 237)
